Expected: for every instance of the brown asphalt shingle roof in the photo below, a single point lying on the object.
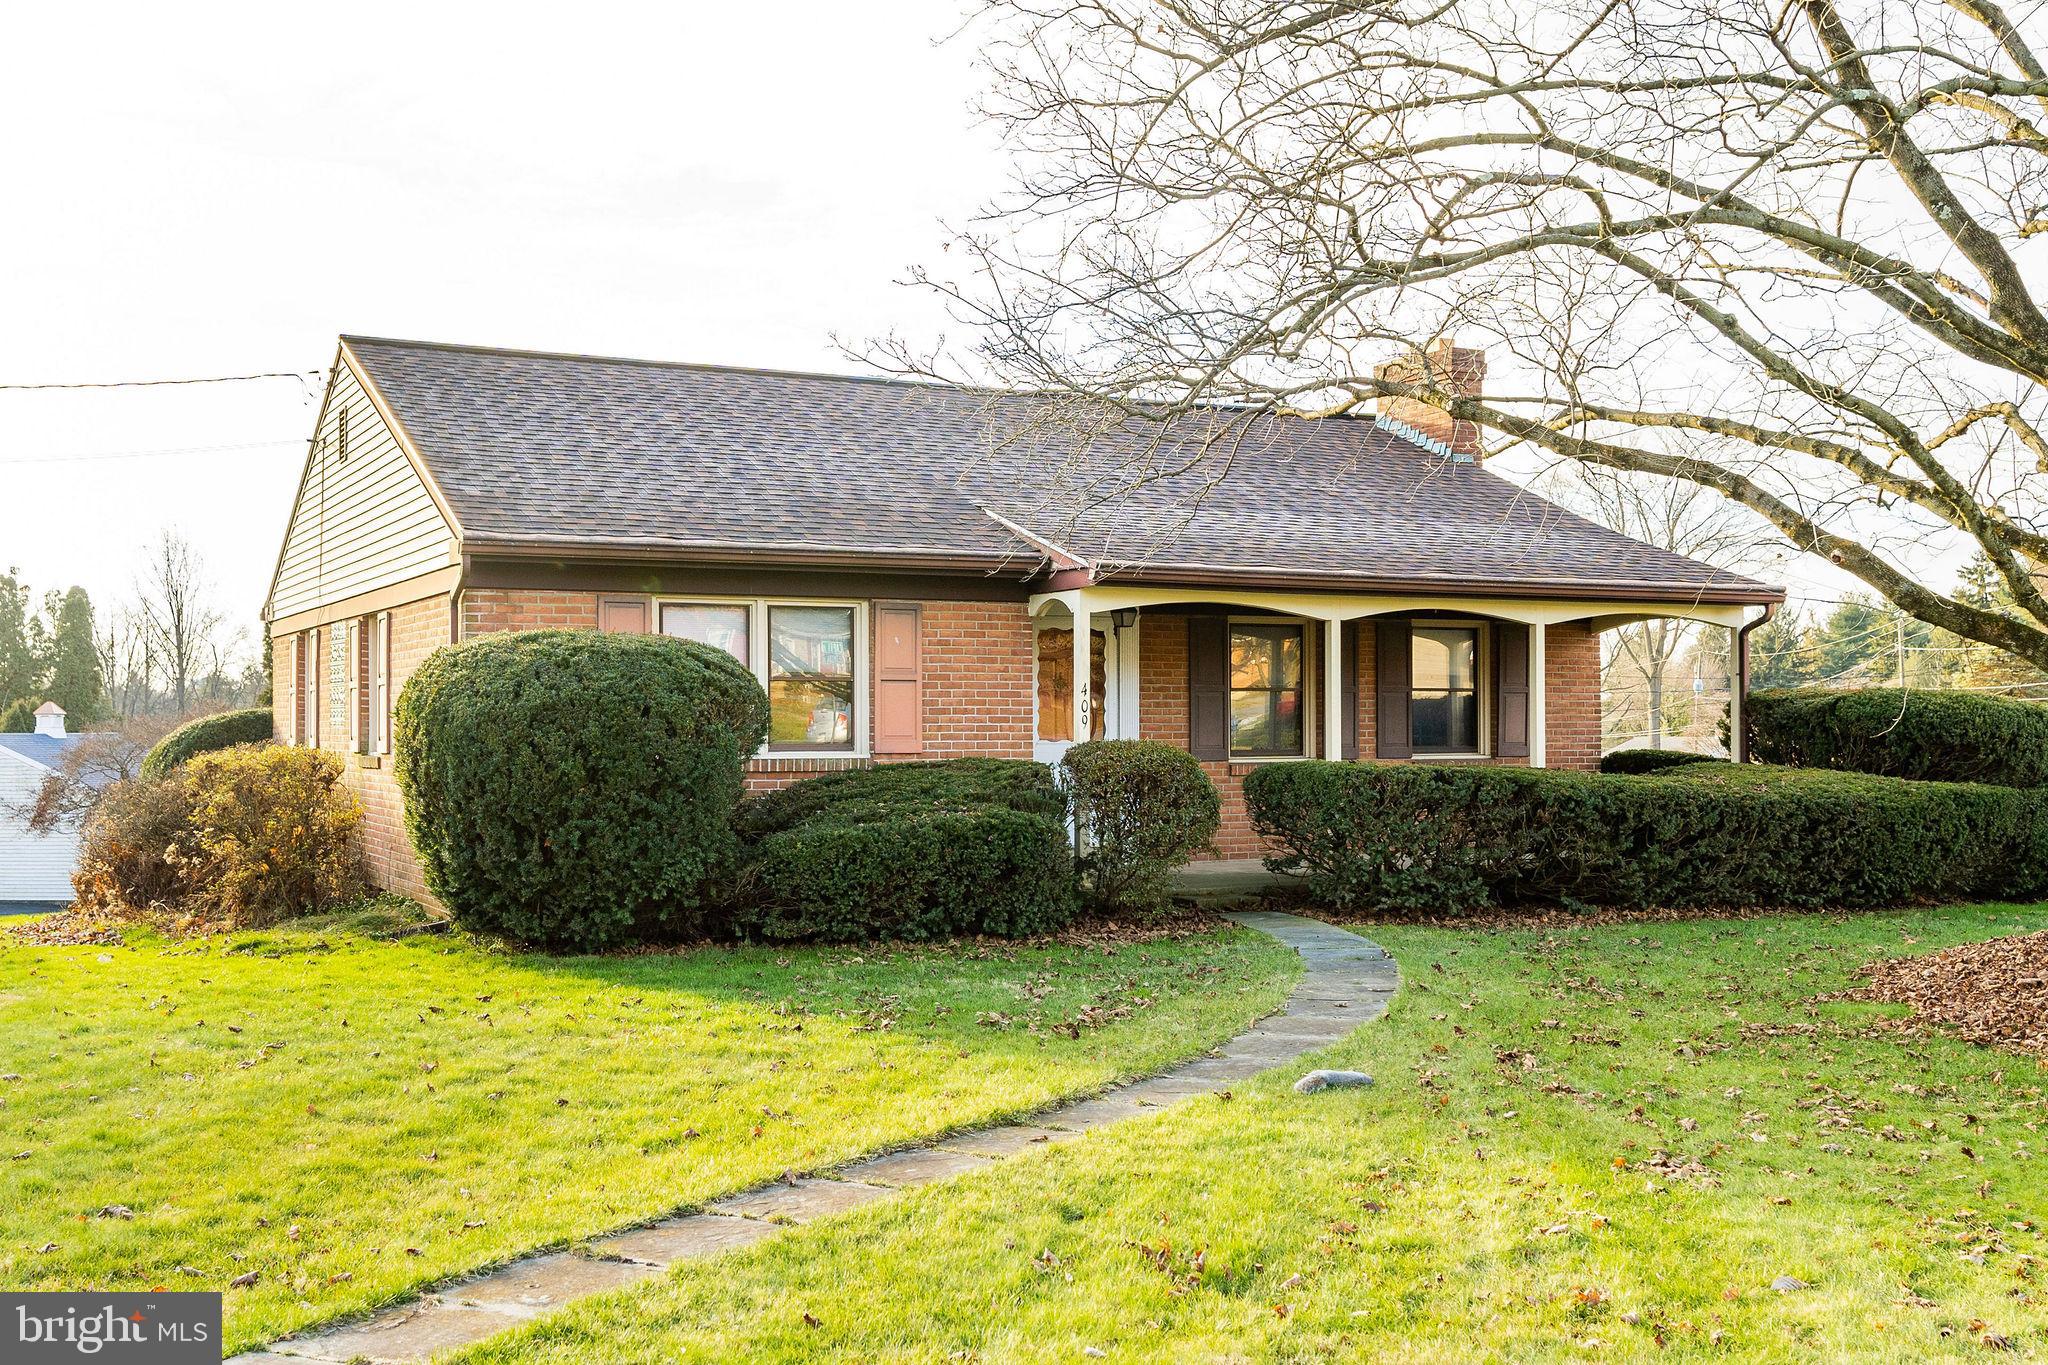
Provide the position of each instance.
(617, 454)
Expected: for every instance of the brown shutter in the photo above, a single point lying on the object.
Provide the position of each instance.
(1390, 715)
(899, 679)
(299, 688)
(622, 615)
(1347, 638)
(1511, 687)
(1209, 687)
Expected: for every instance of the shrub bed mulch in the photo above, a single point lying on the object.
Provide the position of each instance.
(1994, 993)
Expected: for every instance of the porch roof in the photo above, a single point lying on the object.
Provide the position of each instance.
(578, 455)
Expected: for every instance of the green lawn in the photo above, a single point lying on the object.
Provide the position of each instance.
(349, 1118)
(1499, 1195)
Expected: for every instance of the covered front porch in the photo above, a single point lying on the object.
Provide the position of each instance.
(1245, 676)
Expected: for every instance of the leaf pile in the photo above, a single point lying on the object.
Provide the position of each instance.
(1994, 993)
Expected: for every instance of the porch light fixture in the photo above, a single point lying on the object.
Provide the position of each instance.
(1125, 617)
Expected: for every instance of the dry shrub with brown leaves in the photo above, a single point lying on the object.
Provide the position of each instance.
(241, 838)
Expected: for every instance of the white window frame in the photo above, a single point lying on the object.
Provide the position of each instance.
(1481, 686)
(1310, 732)
(380, 683)
(309, 686)
(757, 664)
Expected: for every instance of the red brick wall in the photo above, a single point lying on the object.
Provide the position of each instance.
(1571, 683)
(485, 610)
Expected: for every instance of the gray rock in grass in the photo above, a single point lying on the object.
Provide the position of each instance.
(1325, 1080)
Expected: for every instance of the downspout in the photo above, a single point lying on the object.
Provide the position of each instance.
(455, 599)
(1740, 741)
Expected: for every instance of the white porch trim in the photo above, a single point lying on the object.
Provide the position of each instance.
(1319, 606)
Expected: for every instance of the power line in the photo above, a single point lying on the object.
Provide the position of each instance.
(140, 454)
(300, 375)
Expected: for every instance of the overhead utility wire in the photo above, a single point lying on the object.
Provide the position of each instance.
(165, 383)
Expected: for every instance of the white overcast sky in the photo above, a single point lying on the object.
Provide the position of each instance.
(223, 189)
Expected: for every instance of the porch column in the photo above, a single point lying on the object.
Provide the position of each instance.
(1084, 666)
(1333, 689)
(1738, 683)
(1539, 700)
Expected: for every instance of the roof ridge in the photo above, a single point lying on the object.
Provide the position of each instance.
(697, 366)
(1399, 429)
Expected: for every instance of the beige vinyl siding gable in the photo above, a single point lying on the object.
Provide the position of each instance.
(364, 518)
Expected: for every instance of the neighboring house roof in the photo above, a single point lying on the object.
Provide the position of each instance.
(581, 454)
(47, 751)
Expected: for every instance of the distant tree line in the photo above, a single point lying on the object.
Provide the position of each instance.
(1861, 642)
(165, 651)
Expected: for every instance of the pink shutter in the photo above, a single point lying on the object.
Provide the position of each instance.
(899, 679)
(623, 615)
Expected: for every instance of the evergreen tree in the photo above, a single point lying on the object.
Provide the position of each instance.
(73, 664)
(19, 718)
(18, 671)
(1778, 656)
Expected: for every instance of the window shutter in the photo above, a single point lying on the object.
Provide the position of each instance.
(1209, 687)
(1511, 687)
(356, 660)
(1391, 722)
(899, 678)
(622, 615)
(1347, 637)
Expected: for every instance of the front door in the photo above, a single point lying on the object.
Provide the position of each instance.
(1055, 691)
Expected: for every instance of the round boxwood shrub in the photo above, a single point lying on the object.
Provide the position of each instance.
(908, 850)
(222, 730)
(1650, 760)
(1143, 809)
(1924, 736)
(572, 789)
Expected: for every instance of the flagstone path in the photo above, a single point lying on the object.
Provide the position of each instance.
(1348, 981)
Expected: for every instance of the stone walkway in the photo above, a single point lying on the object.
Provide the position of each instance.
(1348, 982)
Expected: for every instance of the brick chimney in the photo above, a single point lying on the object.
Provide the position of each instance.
(50, 720)
(1459, 370)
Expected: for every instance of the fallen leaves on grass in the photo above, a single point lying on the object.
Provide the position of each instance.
(1994, 993)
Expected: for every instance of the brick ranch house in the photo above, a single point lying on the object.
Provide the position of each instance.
(902, 566)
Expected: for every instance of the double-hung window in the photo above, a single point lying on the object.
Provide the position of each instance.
(1266, 692)
(1444, 689)
(807, 655)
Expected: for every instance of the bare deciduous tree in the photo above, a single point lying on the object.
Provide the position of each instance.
(1779, 251)
(1673, 515)
(181, 625)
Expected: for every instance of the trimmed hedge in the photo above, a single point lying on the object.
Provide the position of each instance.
(913, 851)
(1429, 837)
(1926, 736)
(1145, 808)
(223, 730)
(960, 783)
(1651, 760)
(574, 789)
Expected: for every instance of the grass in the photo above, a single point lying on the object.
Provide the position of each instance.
(349, 1119)
(1499, 1195)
